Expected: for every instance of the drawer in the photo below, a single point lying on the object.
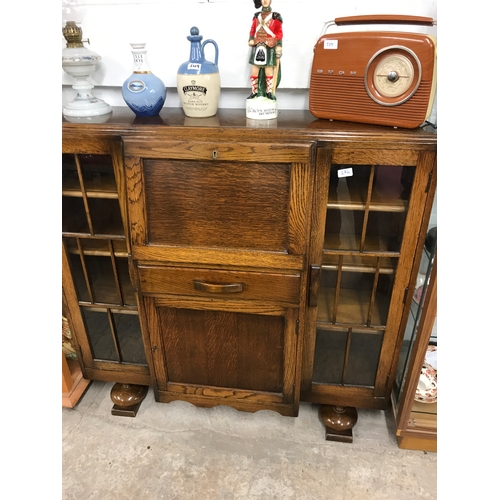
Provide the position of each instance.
(156, 280)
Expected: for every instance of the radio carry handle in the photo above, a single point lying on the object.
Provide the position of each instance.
(379, 19)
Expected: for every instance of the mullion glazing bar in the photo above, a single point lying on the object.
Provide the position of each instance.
(115, 271)
(112, 327)
(335, 304)
(85, 271)
(374, 293)
(346, 355)
(367, 209)
(84, 194)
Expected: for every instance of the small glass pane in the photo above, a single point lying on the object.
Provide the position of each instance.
(130, 338)
(392, 188)
(74, 218)
(99, 334)
(128, 293)
(346, 204)
(106, 217)
(364, 353)
(70, 181)
(98, 173)
(329, 356)
(384, 231)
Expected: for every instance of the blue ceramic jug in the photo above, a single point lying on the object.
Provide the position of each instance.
(198, 80)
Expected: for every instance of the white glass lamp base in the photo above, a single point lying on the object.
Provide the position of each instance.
(86, 104)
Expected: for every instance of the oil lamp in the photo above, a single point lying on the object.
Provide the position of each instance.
(80, 63)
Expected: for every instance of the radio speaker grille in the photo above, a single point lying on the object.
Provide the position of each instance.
(345, 98)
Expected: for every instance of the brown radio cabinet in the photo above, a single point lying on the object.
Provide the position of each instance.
(262, 275)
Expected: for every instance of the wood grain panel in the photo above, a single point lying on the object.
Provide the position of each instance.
(216, 150)
(204, 203)
(374, 157)
(224, 349)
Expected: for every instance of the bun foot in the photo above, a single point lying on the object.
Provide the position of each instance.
(338, 421)
(127, 399)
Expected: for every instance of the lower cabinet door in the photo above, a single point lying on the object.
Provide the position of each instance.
(238, 353)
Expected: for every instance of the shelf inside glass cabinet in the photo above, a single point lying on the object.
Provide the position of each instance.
(92, 175)
(377, 188)
(96, 185)
(102, 280)
(97, 246)
(360, 263)
(355, 307)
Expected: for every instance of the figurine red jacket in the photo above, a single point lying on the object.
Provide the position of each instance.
(264, 25)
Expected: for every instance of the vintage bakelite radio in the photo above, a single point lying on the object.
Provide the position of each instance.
(377, 77)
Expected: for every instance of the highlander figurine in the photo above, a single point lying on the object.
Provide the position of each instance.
(266, 36)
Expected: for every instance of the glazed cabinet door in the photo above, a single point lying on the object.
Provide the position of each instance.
(370, 208)
(101, 302)
(219, 234)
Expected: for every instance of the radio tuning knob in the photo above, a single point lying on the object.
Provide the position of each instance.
(393, 76)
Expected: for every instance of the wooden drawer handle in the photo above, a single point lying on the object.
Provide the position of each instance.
(218, 287)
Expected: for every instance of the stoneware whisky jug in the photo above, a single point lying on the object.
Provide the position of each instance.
(198, 80)
(143, 92)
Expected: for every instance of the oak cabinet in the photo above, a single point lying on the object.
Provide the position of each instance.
(263, 266)
(219, 234)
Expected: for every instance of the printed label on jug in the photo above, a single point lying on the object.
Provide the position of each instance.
(200, 95)
(194, 66)
(194, 90)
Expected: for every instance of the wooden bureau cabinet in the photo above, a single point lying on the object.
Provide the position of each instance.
(271, 265)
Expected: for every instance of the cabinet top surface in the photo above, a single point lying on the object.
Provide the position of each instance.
(298, 124)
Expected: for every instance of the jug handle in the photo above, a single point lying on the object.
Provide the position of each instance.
(216, 50)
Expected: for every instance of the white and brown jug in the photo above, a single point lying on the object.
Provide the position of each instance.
(198, 80)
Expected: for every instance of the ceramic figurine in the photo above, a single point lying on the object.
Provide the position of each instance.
(266, 35)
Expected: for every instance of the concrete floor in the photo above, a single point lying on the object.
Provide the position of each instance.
(177, 451)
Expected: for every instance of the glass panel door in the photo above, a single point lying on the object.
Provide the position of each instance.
(96, 250)
(366, 215)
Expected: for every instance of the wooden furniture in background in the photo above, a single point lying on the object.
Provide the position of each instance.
(73, 383)
(262, 277)
(416, 422)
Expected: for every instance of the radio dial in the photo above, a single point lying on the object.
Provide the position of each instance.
(392, 75)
